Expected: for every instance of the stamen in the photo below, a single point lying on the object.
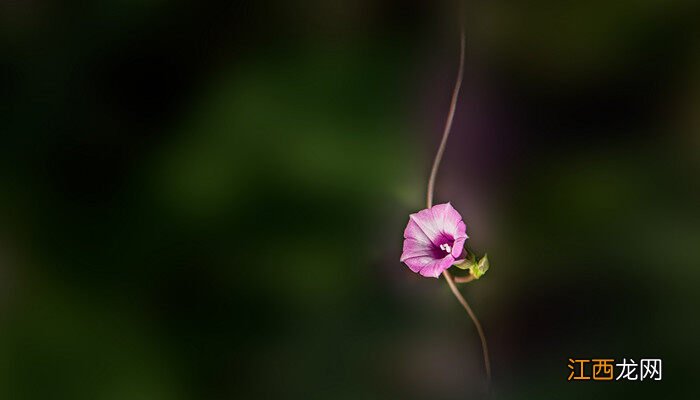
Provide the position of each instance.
(446, 248)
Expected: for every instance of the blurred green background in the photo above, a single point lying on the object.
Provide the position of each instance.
(207, 200)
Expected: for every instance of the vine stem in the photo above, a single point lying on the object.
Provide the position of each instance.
(464, 279)
(479, 329)
(429, 200)
(448, 123)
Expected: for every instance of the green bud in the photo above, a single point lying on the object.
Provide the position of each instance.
(478, 269)
(468, 263)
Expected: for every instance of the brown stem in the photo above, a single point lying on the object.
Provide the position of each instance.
(429, 199)
(482, 336)
(464, 279)
(448, 123)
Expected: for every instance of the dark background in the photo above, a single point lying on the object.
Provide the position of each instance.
(207, 200)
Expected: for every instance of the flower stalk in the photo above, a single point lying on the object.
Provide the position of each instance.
(429, 203)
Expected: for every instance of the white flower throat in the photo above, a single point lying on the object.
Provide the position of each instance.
(446, 247)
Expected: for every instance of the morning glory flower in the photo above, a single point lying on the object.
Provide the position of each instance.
(433, 240)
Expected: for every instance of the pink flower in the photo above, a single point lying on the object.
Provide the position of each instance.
(433, 240)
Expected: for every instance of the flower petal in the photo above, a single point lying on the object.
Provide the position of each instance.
(415, 248)
(435, 269)
(414, 231)
(425, 220)
(458, 246)
(429, 266)
(449, 219)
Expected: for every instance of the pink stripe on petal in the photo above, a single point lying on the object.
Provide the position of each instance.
(413, 248)
(461, 231)
(426, 221)
(441, 214)
(416, 264)
(429, 266)
(435, 268)
(449, 220)
(457, 247)
(413, 231)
